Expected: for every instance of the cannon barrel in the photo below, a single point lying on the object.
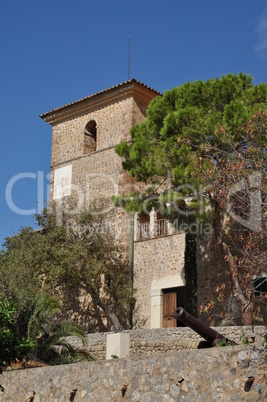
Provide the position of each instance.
(203, 330)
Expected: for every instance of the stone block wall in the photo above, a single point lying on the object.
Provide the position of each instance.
(212, 271)
(99, 175)
(155, 259)
(162, 340)
(114, 122)
(113, 125)
(221, 374)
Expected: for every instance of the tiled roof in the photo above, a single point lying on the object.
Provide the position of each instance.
(133, 80)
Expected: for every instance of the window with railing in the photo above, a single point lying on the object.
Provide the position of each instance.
(152, 225)
(161, 227)
(143, 231)
(260, 286)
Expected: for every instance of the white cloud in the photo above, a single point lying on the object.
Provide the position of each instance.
(261, 47)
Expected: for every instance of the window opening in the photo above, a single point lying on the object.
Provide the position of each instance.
(90, 135)
(260, 286)
(161, 225)
(143, 226)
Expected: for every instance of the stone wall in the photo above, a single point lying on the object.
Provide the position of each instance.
(149, 341)
(99, 174)
(114, 122)
(220, 374)
(154, 260)
(212, 271)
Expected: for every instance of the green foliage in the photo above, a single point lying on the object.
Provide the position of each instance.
(12, 346)
(246, 341)
(7, 312)
(223, 343)
(53, 346)
(180, 124)
(33, 330)
(203, 141)
(70, 252)
(39, 269)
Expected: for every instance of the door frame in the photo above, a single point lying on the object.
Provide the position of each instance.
(157, 287)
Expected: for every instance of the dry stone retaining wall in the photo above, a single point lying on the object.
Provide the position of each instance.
(221, 374)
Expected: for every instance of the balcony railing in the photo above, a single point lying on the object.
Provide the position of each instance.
(145, 231)
(161, 228)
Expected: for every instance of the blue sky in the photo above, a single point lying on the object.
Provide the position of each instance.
(57, 51)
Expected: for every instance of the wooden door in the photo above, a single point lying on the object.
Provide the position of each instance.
(169, 305)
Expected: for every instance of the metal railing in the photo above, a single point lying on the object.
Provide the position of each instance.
(143, 231)
(161, 227)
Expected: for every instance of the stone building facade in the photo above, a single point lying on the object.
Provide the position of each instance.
(84, 164)
(84, 135)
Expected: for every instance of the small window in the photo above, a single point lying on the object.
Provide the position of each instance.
(143, 227)
(260, 286)
(90, 131)
(161, 228)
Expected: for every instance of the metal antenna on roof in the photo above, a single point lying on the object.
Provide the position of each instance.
(129, 48)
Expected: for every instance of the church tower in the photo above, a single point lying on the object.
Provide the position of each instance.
(84, 136)
(84, 164)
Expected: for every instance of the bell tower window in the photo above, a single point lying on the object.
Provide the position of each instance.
(89, 137)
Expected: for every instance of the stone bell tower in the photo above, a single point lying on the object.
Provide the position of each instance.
(84, 164)
(84, 135)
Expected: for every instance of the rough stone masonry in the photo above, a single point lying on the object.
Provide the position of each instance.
(233, 373)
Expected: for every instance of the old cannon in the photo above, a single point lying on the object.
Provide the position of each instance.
(203, 330)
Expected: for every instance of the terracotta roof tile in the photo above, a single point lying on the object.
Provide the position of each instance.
(133, 80)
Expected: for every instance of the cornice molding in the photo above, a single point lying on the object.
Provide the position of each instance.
(131, 88)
